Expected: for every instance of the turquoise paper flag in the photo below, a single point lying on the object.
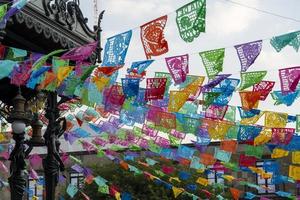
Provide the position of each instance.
(18, 52)
(6, 67)
(291, 39)
(72, 190)
(100, 181)
(150, 161)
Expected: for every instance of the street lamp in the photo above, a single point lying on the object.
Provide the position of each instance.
(18, 173)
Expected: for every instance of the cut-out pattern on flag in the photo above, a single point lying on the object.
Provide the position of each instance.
(264, 87)
(152, 36)
(248, 79)
(289, 79)
(213, 61)
(167, 76)
(177, 100)
(221, 155)
(80, 53)
(248, 132)
(291, 39)
(275, 119)
(190, 20)
(229, 145)
(282, 135)
(113, 98)
(178, 67)
(287, 99)
(155, 88)
(248, 53)
(130, 87)
(249, 99)
(20, 74)
(140, 66)
(115, 49)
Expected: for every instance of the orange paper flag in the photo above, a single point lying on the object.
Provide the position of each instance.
(235, 193)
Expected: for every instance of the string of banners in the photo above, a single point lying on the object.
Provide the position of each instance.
(161, 119)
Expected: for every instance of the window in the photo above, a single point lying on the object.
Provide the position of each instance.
(264, 182)
(77, 179)
(215, 175)
(36, 187)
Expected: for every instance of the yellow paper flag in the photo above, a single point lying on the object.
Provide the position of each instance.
(118, 196)
(62, 73)
(264, 137)
(275, 120)
(251, 120)
(101, 82)
(294, 172)
(296, 157)
(35, 198)
(228, 178)
(279, 153)
(202, 181)
(174, 179)
(177, 100)
(177, 191)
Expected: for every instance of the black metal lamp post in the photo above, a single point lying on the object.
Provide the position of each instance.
(18, 174)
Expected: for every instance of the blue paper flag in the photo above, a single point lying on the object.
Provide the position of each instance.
(249, 195)
(185, 152)
(125, 196)
(130, 87)
(192, 187)
(248, 132)
(140, 66)
(116, 48)
(184, 175)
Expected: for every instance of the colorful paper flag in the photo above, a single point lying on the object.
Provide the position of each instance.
(213, 61)
(152, 37)
(190, 20)
(248, 53)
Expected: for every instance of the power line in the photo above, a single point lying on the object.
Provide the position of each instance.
(260, 10)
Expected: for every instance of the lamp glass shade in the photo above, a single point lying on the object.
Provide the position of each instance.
(18, 127)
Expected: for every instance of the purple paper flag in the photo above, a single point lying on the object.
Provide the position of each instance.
(80, 53)
(248, 53)
(214, 82)
(289, 78)
(77, 168)
(178, 67)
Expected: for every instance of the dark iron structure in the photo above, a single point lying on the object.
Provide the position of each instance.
(42, 26)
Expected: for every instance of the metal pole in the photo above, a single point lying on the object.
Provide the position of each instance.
(52, 163)
(18, 173)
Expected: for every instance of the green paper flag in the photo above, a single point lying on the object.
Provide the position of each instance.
(213, 61)
(39, 63)
(191, 20)
(174, 141)
(3, 10)
(230, 113)
(154, 148)
(209, 97)
(57, 63)
(256, 151)
(103, 189)
(248, 79)
(298, 123)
